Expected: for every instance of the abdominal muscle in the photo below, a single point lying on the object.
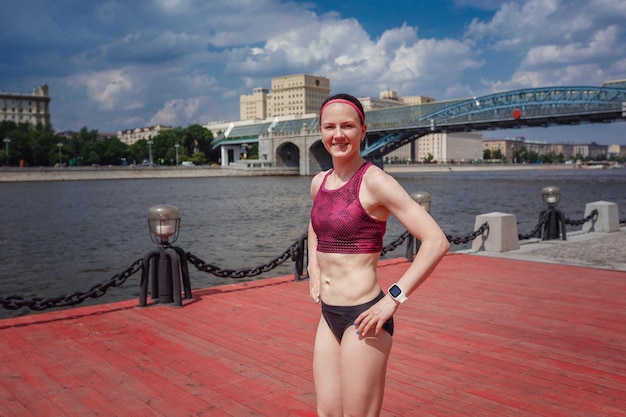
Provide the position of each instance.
(348, 280)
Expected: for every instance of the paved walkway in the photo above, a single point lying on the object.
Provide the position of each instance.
(592, 250)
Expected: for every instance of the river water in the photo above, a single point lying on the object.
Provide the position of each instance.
(62, 237)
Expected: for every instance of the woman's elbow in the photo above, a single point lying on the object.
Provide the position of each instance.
(443, 244)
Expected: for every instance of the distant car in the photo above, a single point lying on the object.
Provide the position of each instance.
(188, 164)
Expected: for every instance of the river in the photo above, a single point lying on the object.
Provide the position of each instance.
(67, 236)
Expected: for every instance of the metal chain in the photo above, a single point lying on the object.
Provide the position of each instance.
(291, 252)
(470, 237)
(544, 218)
(537, 230)
(393, 245)
(15, 302)
(592, 216)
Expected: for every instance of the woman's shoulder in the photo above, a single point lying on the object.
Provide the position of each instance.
(375, 173)
(380, 183)
(317, 180)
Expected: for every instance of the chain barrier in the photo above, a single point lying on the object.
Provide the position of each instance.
(466, 239)
(592, 216)
(15, 302)
(295, 252)
(536, 232)
(393, 245)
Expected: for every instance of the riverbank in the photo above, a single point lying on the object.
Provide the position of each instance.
(120, 173)
(127, 173)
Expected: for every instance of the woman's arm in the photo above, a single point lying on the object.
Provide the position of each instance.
(387, 193)
(313, 268)
(382, 196)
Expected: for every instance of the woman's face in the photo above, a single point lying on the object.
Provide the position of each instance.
(342, 130)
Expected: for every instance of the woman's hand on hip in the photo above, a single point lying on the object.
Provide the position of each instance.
(375, 317)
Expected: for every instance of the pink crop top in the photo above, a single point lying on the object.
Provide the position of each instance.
(341, 223)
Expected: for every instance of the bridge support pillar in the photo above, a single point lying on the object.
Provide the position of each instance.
(501, 235)
(607, 220)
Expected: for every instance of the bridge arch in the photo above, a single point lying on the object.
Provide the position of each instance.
(287, 155)
(319, 158)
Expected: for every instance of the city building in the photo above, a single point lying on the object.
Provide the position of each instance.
(446, 148)
(389, 98)
(131, 136)
(590, 150)
(290, 95)
(508, 147)
(617, 151)
(31, 108)
(450, 147)
(254, 106)
(297, 94)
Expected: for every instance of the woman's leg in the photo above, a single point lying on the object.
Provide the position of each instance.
(363, 362)
(326, 372)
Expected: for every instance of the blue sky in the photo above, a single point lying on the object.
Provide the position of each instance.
(114, 65)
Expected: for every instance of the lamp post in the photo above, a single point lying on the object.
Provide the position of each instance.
(6, 148)
(554, 220)
(150, 142)
(166, 261)
(412, 244)
(60, 145)
(177, 146)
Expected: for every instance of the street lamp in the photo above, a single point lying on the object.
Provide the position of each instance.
(551, 195)
(6, 148)
(554, 220)
(423, 199)
(150, 142)
(166, 264)
(177, 146)
(60, 145)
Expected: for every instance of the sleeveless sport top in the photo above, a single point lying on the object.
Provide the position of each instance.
(341, 223)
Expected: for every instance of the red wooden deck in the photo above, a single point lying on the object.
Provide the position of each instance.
(483, 337)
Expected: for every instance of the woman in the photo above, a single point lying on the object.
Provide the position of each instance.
(351, 204)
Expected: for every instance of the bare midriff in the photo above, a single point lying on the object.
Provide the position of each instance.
(348, 280)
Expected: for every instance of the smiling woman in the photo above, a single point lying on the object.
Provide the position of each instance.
(351, 205)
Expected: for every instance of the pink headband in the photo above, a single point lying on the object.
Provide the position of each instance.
(348, 102)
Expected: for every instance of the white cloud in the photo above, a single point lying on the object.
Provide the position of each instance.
(603, 43)
(187, 61)
(107, 88)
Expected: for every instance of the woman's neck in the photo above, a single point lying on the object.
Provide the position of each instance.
(345, 169)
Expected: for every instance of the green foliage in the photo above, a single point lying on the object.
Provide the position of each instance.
(37, 146)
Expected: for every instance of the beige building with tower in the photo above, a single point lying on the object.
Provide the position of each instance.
(31, 108)
(290, 95)
(254, 107)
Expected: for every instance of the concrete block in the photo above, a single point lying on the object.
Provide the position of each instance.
(502, 233)
(607, 220)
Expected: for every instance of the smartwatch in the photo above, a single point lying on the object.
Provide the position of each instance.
(397, 294)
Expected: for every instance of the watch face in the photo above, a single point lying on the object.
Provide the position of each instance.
(395, 291)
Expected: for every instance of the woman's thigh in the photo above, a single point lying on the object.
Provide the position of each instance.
(363, 363)
(327, 371)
